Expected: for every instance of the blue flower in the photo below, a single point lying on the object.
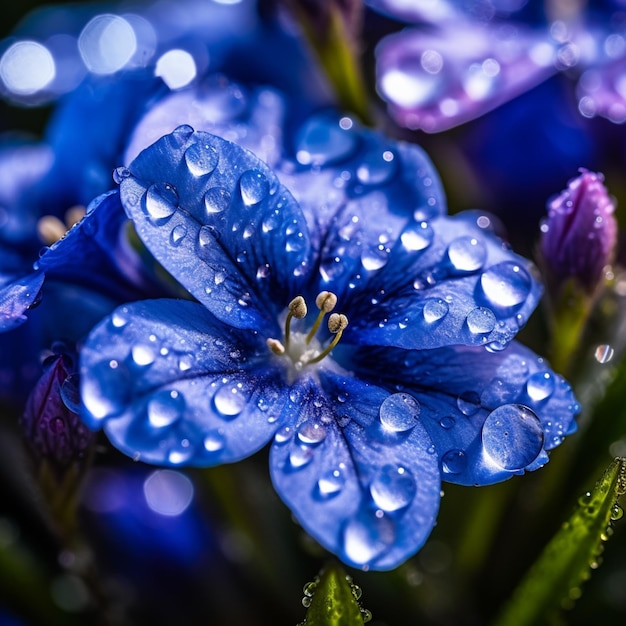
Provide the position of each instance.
(355, 325)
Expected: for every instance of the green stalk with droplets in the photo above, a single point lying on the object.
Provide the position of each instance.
(554, 581)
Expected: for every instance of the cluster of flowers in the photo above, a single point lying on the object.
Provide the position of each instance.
(263, 268)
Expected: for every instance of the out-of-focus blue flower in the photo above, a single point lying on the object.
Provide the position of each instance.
(579, 234)
(460, 62)
(411, 379)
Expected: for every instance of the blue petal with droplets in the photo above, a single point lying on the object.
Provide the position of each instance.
(490, 415)
(366, 489)
(17, 295)
(219, 221)
(172, 385)
(443, 282)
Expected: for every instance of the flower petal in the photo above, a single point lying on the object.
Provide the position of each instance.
(367, 493)
(490, 415)
(17, 295)
(172, 385)
(217, 219)
(447, 281)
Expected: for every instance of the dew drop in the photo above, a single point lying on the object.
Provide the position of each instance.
(506, 284)
(393, 488)
(454, 462)
(201, 159)
(165, 408)
(142, 354)
(321, 141)
(375, 258)
(181, 134)
(216, 200)
(604, 353)
(185, 362)
(180, 454)
(331, 483)
(467, 254)
(283, 435)
(299, 456)
(434, 309)
(468, 402)
(481, 320)
(512, 436)
(161, 201)
(399, 412)
(366, 537)
(447, 422)
(540, 386)
(254, 187)
(178, 234)
(119, 319)
(416, 237)
(205, 236)
(378, 168)
(311, 433)
(214, 441)
(229, 401)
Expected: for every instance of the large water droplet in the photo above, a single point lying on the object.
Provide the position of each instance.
(506, 284)
(165, 407)
(311, 433)
(201, 159)
(434, 309)
(540, 386)
(216, 200)
(299, 456)
(229, 401)
(512, 436)
(393, 488)
(161, 201)
(331, 483)
(399, 412)
(468, 402)
(454, 462)
(142, 354)
(283, 435)
(375, 258)
(254, 187)
(467, 254)
(378, 168)
(366, 537)
(181, 134)
(321, 141)
(417, 237)
(481, 320)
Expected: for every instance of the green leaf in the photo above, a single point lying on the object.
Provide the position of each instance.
(333, 600)
(554, 581)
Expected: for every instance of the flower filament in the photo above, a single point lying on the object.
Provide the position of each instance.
(306, 349)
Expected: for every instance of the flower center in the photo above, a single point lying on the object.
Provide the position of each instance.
(306, 349)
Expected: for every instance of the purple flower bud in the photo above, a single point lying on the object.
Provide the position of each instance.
(579, 235)
(50, 421)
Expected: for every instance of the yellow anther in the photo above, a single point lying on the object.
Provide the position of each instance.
(50, 229)
(326, 301)
(298, 308)
(275, 346)
(337, 323)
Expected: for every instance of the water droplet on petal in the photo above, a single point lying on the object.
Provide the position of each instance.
(481, 320)
(434, 309)
(375, 258)
(142, 354)
(454, 462)
(417, 237)
(468, 402)
(399, 412)
(378, 168)
(214, 441)
(181, 454)
(321, 141)
(512, 436)
(311, 432)
(201, 159)
(181, 134)
(161, 201)
(447, 422)
(229, 401)
(299, 456)
(178, 234)
(540, 386)
(393, 488)
(283, 435)
(506, 284)
(216, 200)
(254, 187)
(467, 254)
(119, 319)
(366, 536)
(165, 407)
(331, 483)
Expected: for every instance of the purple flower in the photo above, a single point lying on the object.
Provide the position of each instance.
(579, 235)
(50, 422)
(356, 327)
